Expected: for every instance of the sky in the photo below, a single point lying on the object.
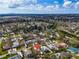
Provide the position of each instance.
(39, 6)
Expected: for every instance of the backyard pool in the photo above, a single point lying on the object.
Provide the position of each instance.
(74, 50)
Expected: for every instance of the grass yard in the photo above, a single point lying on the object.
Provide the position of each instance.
(8, 56)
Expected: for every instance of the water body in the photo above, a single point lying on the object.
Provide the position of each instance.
(39, 14)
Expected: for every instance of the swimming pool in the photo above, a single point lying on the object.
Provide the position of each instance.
(74, 50)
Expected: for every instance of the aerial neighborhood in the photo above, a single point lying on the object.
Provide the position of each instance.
(39, 37)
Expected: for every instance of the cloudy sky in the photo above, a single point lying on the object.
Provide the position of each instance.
(39, 6)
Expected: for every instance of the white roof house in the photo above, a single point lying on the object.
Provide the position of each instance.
(44, 48)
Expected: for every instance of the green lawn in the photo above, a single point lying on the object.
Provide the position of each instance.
(8, 56)
(2, 52)
(77, 57)
(65, 58)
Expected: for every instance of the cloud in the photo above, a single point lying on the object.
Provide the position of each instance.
(5, 1)
(77, 5)
(66, 0)
(56, 2)
(33, 6)
(16, 3)
(73, 4)
(33, 1)
(67, 4)
(24, 2)
(28, 5)
(39, 7)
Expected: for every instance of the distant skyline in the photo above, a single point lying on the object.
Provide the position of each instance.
(39, 6)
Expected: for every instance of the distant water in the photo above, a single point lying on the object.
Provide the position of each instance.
(39, 14)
